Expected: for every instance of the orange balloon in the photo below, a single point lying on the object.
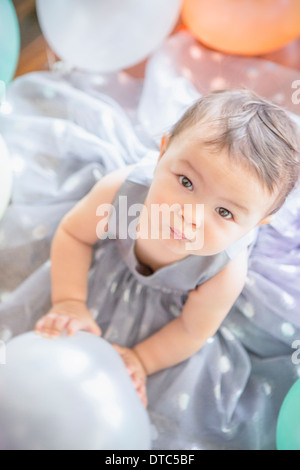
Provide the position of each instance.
(247, 27)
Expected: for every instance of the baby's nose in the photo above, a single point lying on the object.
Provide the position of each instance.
(192, 216)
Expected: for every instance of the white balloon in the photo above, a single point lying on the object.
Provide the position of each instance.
(106, 35)
(70, 393)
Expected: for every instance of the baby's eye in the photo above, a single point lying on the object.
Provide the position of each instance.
(224, 213)
(184, 181)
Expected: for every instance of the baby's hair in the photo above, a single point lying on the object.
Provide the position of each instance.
(253, 130)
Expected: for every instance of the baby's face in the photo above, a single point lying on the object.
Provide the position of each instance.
(216, 201)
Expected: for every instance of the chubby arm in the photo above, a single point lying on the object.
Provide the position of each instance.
(71, 251)
(71, 256)
(203, 313)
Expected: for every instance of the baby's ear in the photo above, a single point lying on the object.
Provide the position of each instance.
(266, 220)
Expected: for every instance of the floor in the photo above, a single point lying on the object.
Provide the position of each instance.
(36, 55)
(34, 48)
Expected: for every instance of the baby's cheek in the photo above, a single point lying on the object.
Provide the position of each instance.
(159, 207)
(159, 197)
(214, 239)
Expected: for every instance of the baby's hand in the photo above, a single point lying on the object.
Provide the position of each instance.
(71, 315)
(135, 369)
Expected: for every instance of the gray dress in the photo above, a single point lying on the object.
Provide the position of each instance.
(131, 303)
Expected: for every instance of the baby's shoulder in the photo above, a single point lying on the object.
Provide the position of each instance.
(110, 184)
(84, 218)
(106, 189)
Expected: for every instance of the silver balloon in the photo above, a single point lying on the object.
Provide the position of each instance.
(70, 393)
(106, 35)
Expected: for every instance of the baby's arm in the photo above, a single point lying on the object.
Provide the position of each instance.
(71, 256)
(202, 314)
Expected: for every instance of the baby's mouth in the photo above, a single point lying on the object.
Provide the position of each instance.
(179, 235)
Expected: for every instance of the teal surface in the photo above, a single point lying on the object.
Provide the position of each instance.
(288, 425)
(9, 41)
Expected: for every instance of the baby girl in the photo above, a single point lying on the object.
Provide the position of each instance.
(223, 170)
